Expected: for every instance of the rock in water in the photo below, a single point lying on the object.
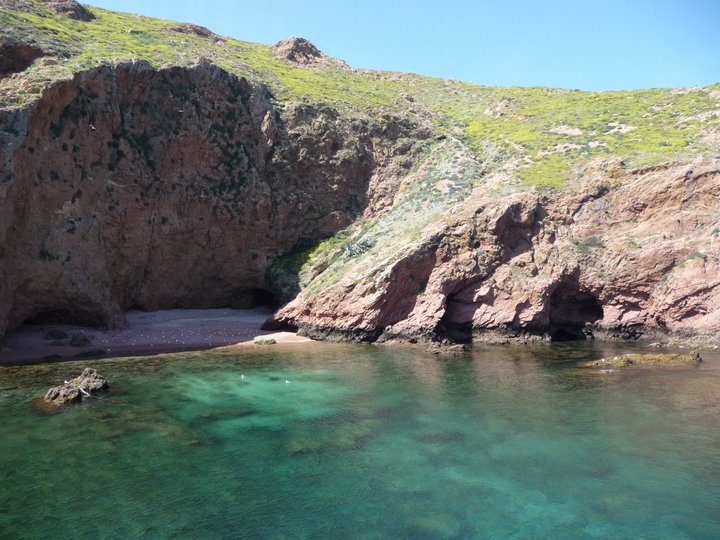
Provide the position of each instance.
(77, 389)
(625, 360)
(90, 381)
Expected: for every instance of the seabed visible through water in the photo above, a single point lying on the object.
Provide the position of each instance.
(352, 441)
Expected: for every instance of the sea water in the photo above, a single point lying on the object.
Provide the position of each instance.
(352, 441)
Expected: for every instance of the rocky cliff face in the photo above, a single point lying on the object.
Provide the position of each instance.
(622, 255)
(378, 206)
(134, 187)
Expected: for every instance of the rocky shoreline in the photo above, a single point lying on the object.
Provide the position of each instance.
(650, 337)
(185, 330)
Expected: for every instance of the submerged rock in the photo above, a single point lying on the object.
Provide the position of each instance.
(77, 389)
(625, 360)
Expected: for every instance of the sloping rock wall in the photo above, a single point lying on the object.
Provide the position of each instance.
(135, 187)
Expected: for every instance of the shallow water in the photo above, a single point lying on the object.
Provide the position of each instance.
(365, 442)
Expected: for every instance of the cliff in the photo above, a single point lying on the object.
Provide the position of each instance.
(150, 164)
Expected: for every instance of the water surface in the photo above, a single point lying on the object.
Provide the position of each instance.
(365, 442)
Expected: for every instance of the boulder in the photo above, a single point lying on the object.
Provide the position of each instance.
(70, 9)
(64, 394)
(298, 51)
(78, 389)
(186, 28)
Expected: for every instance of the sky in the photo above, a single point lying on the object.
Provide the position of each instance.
(585, 44)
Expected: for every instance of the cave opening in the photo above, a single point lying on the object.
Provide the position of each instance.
(65, 316)
(253, 298)
(456, 323)
(572, 310)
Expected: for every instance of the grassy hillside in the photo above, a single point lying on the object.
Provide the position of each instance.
(548, 133)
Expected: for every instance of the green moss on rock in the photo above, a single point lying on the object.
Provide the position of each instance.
(643, 360)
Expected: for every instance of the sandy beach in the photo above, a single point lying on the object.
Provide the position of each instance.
(146, 333)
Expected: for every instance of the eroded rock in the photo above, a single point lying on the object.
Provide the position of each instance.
(16, 57)
(70, 9)
(78, 389)
(131, 187)
(605, 260)
(188, 28)
(297, 50)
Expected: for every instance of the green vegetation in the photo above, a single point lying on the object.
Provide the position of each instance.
(371, 247)
(117, 37)
(283, 274)
(586, 246)
(544, 136)
(265, 341)
(557, 130)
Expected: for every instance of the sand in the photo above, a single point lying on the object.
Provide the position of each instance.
(279, 337)
(146, 333)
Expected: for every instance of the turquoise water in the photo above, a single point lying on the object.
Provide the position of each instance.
(364, 442)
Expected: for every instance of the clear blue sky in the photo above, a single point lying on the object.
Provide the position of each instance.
(587, 44)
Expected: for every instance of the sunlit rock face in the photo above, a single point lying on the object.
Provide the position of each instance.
(626, 259)
(135, 187)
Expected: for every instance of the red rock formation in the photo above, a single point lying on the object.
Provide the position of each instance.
(133, 187)
(129, 186)
(15, 57)
(70, 9)
(187, 28)
(298, 51)
(624, 257)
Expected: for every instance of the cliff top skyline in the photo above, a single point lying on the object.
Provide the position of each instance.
(610, 45)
